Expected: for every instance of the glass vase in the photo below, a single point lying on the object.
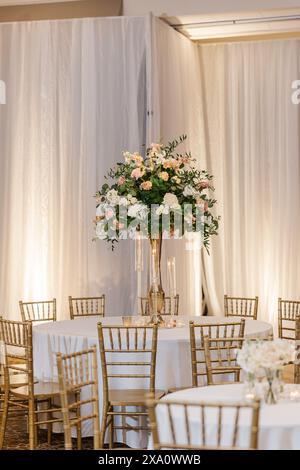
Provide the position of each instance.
(273, 386)
(250, 386)
(156, 293)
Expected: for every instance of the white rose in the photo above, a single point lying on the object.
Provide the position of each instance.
(171, 200)
(189, 191)
(127, 157)
(176, 179)
(131, 199)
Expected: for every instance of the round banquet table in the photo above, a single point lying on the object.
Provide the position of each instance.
(279, 424)
(173, 362)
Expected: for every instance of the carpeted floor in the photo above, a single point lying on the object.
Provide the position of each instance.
(16, 437)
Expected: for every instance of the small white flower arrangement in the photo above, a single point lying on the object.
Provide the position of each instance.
(255, 357)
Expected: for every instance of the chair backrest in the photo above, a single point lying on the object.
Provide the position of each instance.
(76, 372)
(171, 306)
(17, 339)
(213, 330)
(42, 311)
(221, 358)
(127, 353)
(297, 355)
(86, 306)
(183, 425)
(288, 312)
(246, 307)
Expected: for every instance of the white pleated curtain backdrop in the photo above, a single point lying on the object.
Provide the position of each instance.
(252, 137)
(177, 109)
(76, 95)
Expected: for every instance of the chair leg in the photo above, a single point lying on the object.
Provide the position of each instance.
(31, 425)
(4, 418)
(103, 428)
(49, 425)
(123, 408)
(111, 432)
(78, 415)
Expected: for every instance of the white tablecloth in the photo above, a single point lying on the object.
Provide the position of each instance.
(279, 425)
(173, 353)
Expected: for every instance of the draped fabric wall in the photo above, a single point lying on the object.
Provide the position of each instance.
(76, 95)
(79, 92)
(252, 138)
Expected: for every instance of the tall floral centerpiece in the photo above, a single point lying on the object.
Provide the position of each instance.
(161, 195)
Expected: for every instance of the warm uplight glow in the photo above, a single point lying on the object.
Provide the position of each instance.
(199, 27)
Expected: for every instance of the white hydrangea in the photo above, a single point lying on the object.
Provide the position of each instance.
(138, 211)
(162, 209)
(123, 201)
(256, 356)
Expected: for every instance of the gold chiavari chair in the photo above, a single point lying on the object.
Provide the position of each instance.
(42, 311)
(246, 307)
(16, 379)
(288, 312)
(138, 345)
(17, 337)
(289, 327)
(171, 306)
(175, 425)
(86, 306)
(220, 358)
(78, 372)
(297, 355)
(212, 330)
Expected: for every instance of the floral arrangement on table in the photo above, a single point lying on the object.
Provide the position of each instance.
(264, 359)
(159, 196)
(164, 179)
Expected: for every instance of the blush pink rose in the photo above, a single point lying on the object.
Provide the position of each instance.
(109, 213)
(137, 173)
(146, 185)
(163, 175)
(156, 147)
(171, 163)
(203, 184)
(121, 180)
(118, 225)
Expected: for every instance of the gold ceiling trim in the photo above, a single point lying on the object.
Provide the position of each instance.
(61, 10)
